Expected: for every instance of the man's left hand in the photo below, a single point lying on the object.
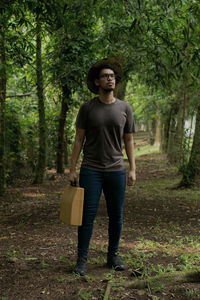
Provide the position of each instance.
(131, 178)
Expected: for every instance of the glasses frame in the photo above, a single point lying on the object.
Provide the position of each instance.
(106, 76)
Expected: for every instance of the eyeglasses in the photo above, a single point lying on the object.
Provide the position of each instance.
(107, 76)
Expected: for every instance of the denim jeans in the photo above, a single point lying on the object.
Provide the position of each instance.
(113, 185)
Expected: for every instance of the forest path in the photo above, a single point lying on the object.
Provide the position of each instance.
(160, 234)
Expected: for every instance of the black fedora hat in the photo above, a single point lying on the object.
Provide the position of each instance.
(113, 62)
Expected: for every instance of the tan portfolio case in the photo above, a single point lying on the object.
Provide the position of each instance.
(71, 205)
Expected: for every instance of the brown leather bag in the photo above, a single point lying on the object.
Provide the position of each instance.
(71, 205)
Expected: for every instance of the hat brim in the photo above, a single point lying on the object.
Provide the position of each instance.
(111, 61)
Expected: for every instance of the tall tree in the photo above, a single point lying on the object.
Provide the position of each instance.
(191, 173)
(61, 128)
(162, 38)
(10, 15)
(41, 164)
(73, 52)
(2, 100)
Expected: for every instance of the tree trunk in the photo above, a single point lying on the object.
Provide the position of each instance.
(66, 149)
(179, 132)
(152, 131)
(120, 90)
(172, 130)
(61, 130)
(175, 146)
(157, 133)
(41, 164)
(2, 112)
(192, 172)
(165, 132)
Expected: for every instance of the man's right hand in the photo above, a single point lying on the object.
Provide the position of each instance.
(73, 177)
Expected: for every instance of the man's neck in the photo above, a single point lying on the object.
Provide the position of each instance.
(106, 97)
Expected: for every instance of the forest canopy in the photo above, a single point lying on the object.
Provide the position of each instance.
(46, 49)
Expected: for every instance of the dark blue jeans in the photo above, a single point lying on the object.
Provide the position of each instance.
(113, 185)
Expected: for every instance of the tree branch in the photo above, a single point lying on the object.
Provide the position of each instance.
(164, 279)
(167, 279)
(21, 95)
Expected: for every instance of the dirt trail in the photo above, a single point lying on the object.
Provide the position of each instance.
(37, 252)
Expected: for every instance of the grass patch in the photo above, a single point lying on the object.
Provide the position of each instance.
(83, 294)
(163, 187)
(168, 245)
(148, 149)
(43, 264)
(188, 260)
(172, 247)
(192, 293)
(144, 150)
(14, 254)
(176, 253)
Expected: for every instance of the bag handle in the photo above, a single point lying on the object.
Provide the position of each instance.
(73, 183)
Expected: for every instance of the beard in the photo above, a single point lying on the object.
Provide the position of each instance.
(108, 90)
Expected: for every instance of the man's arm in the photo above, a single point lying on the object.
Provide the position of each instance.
(78, 143)
(129, 147)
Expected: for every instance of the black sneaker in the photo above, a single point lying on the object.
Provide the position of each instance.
(80, 267)
(114, 261)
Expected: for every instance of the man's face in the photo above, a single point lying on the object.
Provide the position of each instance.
(106, 80)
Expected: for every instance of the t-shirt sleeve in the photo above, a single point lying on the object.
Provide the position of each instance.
(130, 124)
(81, 119)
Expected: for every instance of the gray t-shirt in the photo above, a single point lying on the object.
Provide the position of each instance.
(105, 125)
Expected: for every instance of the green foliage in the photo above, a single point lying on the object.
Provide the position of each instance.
(13, 253)
(158, 42)
(192, 293)
(146, 150)
(84, 294)
(43, 264)
(146, 102)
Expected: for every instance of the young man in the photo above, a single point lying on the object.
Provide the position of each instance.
(102, 124)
